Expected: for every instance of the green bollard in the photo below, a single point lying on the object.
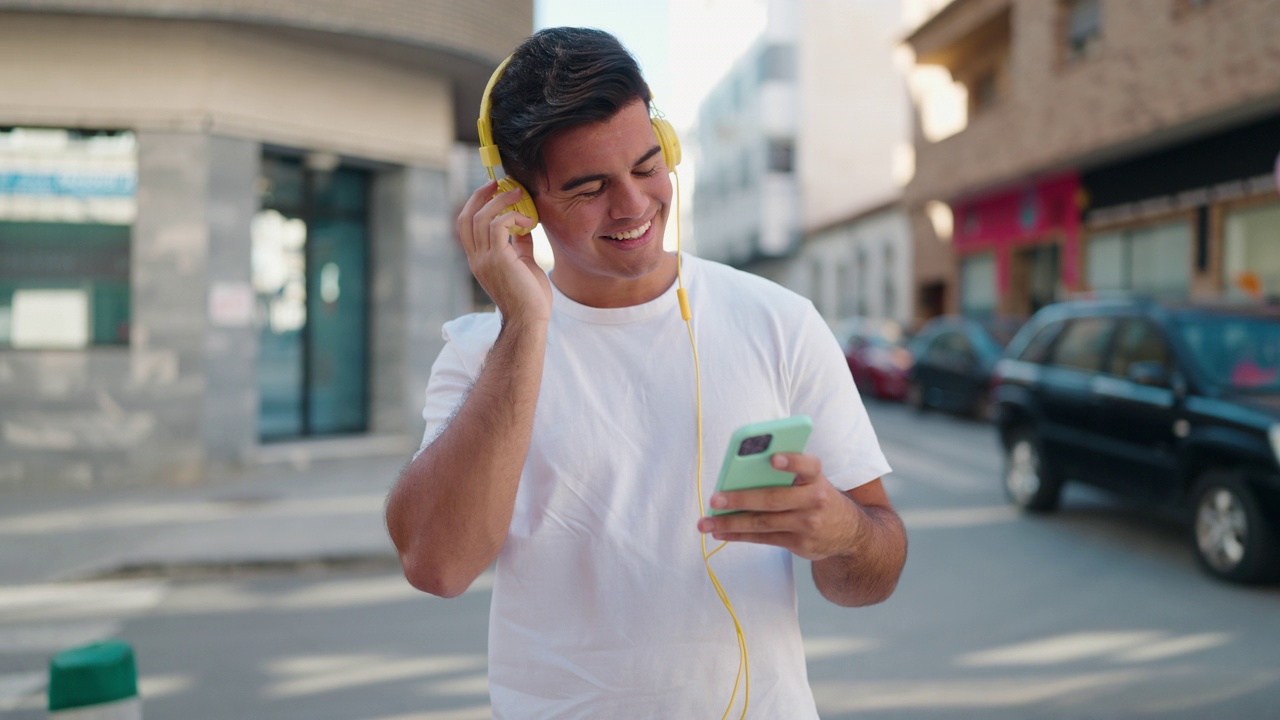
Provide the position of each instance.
(94, 682)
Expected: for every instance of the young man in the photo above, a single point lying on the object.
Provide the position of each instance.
(562, 431)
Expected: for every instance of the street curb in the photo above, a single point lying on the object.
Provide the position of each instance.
(224, 568)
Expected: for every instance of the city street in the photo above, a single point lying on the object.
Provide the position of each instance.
(1089, 613)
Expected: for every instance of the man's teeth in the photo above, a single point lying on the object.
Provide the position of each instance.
(631, 235)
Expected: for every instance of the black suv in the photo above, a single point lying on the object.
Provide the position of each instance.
(1169, 405)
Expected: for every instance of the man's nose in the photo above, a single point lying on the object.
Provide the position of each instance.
(628, 200)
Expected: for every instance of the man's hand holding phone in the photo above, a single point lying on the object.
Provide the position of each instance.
(756, 500)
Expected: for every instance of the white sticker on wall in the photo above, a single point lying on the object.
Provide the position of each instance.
(230, 304)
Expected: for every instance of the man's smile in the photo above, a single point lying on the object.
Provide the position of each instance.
(631, 234)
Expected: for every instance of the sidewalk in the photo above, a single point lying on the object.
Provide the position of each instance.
(277, 514)
(58, 548)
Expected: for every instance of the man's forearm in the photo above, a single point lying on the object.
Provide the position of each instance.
(450, 511)
(869, 571)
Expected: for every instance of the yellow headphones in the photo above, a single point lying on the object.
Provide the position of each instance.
(491, 158)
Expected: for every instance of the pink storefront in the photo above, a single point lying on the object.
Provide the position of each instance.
(1018, 249)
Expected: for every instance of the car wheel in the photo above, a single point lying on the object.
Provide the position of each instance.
(1232, 538)
(1028, 481)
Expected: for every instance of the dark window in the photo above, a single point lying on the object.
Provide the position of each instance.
(778, 62)
(1137, 341)
(782, 153)
(985, 91)
(1083, 27)
(1083, 344)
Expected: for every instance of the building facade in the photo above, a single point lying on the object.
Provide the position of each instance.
(747, 192)
(801, 157)
(1103, 146)
(859, 266)
(226, 227)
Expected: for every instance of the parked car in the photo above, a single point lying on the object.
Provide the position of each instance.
(878, 359)
(1168, 405)
(954, 358)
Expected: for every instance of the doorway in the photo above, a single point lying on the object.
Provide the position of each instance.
(1034, 279)
(310, 277)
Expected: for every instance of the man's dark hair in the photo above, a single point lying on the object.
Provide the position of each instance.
(558, 79)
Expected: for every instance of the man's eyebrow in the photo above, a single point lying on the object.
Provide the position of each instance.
(584, 179)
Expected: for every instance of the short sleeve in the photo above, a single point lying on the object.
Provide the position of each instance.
(467, 343)
(822, 388)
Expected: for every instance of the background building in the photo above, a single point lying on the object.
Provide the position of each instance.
(226, 227)
(747, 195)
(804, 148)
(1101, 145)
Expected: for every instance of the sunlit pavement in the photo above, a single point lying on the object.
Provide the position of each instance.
(1091, 613)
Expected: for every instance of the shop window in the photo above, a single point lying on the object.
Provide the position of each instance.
(1082, 22)
(1251, 264)
(1153, 260)
(978, 286)
(67, 206)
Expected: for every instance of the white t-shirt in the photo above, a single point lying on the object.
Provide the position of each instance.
(601, 606)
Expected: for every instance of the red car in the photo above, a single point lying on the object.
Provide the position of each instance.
(878, 358)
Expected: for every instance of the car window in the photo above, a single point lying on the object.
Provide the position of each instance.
(1037, 350)
(1082, 344)
(948, 348)
(937, 348)
(1137, 341)
(1237, 352)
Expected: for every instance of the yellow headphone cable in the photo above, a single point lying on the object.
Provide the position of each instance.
(743, 676)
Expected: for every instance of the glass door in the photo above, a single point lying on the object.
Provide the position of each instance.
(310, 269)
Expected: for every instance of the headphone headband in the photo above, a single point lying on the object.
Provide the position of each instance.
(491, 157)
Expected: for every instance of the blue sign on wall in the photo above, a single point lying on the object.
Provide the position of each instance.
(48, 184)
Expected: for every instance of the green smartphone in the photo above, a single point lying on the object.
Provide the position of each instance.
(746, 461)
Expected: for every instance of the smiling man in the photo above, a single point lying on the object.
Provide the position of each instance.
(564, 432)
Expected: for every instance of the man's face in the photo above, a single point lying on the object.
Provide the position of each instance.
(603, 203)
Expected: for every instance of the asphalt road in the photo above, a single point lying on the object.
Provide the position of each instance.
(1094, 612)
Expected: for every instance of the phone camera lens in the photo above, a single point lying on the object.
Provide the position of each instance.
(754, 444)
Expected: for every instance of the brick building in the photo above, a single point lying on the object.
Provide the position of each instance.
(226, 227)
(1103, 145)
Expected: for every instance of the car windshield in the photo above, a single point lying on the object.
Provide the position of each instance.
(1237, 352)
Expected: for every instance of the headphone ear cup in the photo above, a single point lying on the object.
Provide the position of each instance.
(524, 205)
(668, 141)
